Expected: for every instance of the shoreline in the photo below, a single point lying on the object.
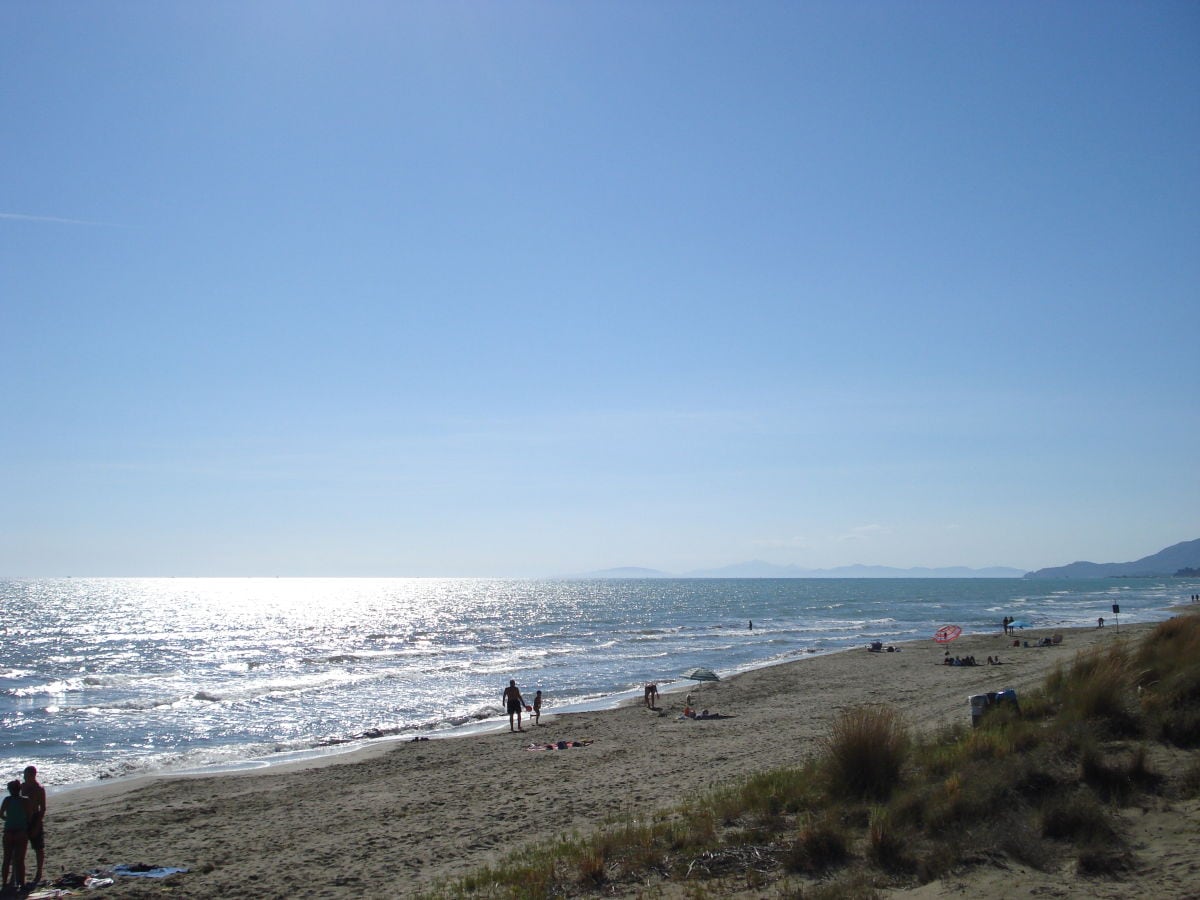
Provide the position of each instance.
(346, 750)
(401, 816)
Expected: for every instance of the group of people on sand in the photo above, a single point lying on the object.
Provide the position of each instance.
(515, 705)
(877, 647)
(949, 660)
(24, 815)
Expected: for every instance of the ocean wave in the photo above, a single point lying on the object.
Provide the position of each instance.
(335, 659)
(48, 689)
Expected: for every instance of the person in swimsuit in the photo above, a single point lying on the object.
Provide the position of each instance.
(652, 695)
(36, 794)
(537, 708)
(514, 703)
(16, 812)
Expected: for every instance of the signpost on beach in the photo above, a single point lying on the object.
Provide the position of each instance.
(1117, 615)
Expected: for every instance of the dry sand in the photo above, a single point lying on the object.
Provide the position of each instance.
(404, 816)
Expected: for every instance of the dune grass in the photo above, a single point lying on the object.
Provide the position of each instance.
(875, 807)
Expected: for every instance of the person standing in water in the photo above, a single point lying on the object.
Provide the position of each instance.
(514, 703)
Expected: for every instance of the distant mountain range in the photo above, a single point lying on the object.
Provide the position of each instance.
(1170, 561)
(759, 569)
(1181, 559)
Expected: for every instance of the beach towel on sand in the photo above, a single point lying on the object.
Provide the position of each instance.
(141, 870)
(63, 885)
(560, 745)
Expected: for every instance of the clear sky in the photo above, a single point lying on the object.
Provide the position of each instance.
(476, 288)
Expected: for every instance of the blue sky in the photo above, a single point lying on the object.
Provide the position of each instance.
(534, 288)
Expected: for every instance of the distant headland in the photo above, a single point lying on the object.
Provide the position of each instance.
(1179, 559)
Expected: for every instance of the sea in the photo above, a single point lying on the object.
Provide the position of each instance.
(115, 677)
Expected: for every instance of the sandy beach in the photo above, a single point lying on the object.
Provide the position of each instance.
(400, 817)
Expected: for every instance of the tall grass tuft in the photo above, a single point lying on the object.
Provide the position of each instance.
(886, 844)
(864, 754)
(1077, 816)
(1169, 680)
(592, 867)
(1020, 839)
(1189, 784)
(767, 795)
(1098, 688)
(1172, 647)
(821, 844)
(1104, 859)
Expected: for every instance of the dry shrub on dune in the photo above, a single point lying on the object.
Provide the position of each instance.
(865, 753)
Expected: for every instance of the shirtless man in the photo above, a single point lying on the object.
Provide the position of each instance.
(36, 794)
(514, 703)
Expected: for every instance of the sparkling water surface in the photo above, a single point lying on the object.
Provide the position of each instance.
(103, 678)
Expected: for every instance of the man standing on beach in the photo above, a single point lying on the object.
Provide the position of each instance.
(514, 703)
(36, 794)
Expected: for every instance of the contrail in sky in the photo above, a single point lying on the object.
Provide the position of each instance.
(20, 217)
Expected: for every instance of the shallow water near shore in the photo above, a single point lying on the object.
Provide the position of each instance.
(103, 678)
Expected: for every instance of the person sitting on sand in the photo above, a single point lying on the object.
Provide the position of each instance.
(537, 708)
(514, 703)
